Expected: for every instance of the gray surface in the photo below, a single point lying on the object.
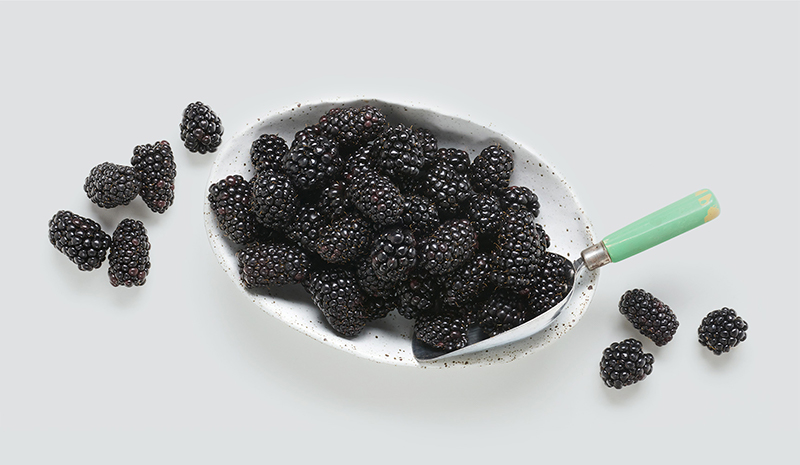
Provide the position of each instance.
(635, 104)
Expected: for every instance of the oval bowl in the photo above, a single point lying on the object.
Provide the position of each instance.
(389, 340)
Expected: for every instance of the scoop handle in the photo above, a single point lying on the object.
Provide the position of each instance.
(662, 225)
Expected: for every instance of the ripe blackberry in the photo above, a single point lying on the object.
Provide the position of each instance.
(333, 201)
(272, 264)
(452, 244)
(456, 158)
(652, 317)
(420, 214)
(517, 250)
(336, 293)
(722, 330)
(520, 197)
(201, 128)
(373, 285)
(81, 239)
(358, 163)
(373, 122)
(625, 363)
(377, 198)
(351, 126)
(267, 152)
(155, 165)
(344, 240)
(491, 170)
(376, 308)
(503, 310)
(428, 144)
(274, 199)
(311, 162)
(229, 199)
(306, 228)
(394, 254)
(467, 282)
(551, 284)
(129, 256)
(110, 185)
(485, 212)
(447, 188)
(445, 330)
(398, 153)
(543, 237)
(417, 295)
(307, 132)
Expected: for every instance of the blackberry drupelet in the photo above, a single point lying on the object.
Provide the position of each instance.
(625, 363)
(722, 330)
(110, 185)
(652, 317)
(467, 282)
(272, 264)
(267, 152)
(445, 330)
(491, 170)
(452, 244)
(447, 188)
(520, 197)
(312, 162)
(551, 284)
(229, 199)
(377, 198)
(81, 239)
(394, 254)
(129, 256)
(337, 294)
(274, 199)
(417, 295)
(485, 212)
(456, 158)
(398, 153)
(201, 128)
(420, 214)
(503, 310)
(306, 228)
(517, 250)
(344, 240)
(155, 165)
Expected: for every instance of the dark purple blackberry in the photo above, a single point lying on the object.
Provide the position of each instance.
(129, 256)
(110, 185)
(333, 201)
(336, 293)
(267, 152)
(229, 199)
(272, 264)
(520, 197)
(373, 285)
(420, 214)
(452, 244)
(491, 170)
(376, 308)
(517, 250)
(543, 237)
(485, 212)
(551, 284)
(359, 162)
(625, 363)
(310, 163)
(398, 153)
(274, 199)
(394, 254)
(652, 317)
(447, 188)
(503, 310)
(344, 240)
(351, 126)
(456, 158)
(445, 330)
(417, 295)
(428, 144)
(373, 122)
(377, 198)
(467, 282)
(201, 128)
(307, 132)
(81, 239)
(305, 230)
(722, 330)
(155, 165)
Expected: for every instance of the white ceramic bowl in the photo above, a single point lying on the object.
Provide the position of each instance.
(389, 340)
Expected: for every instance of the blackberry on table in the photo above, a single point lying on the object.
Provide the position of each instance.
(81, 239)
(267, 152)
(344, 240)
(377, 198)
(201, 128)
(721, 330)
(337, 294)
(310, 163)
(652, 317)
(229, 199)
(452, 244)
(155, 165)
(394, 254)
(398, 153)
(491, 169)
(110, 185)
(129, 255)
(625, 363)
(445, 330)
(274, 199)
(272, 264)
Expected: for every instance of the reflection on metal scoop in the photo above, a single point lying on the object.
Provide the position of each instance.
(655, 228)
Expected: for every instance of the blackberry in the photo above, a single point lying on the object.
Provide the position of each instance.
(110, 185)
(394, 254)
(485, 212)
(377, 308)
(652, 317)
(419, 214)
(722, 330)
(312, 162)
(625, 363)
(452, 244)
(491, 170)
(377, 198)
(129, 256)
(81, 239)
(428, 144)
(201, 128)
(372, 284)
(445, 330)
(306, 228)
(359, 163)
(517, 250)
(272, 264)
(274, 199)
(333, 201)
(344, 240)
(352, 126)
(551, 284)
(417, 295)
(544, 239)
(336, 293)
(267, 152)
(467, 282)
(398, 153)
(503, 310)
(520, 197)
(456, 158)
(229, 199)
(307, 132)
(155, 165)
(373, 122)
(447, 188)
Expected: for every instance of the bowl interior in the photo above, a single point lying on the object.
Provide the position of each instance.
(389, 340)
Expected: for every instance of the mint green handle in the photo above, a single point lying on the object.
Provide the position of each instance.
(662, 225)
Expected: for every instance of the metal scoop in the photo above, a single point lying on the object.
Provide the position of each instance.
(675, 219)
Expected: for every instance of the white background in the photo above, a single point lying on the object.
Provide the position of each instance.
(637, 104)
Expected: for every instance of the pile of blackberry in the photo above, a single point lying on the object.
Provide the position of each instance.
(372, 216)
